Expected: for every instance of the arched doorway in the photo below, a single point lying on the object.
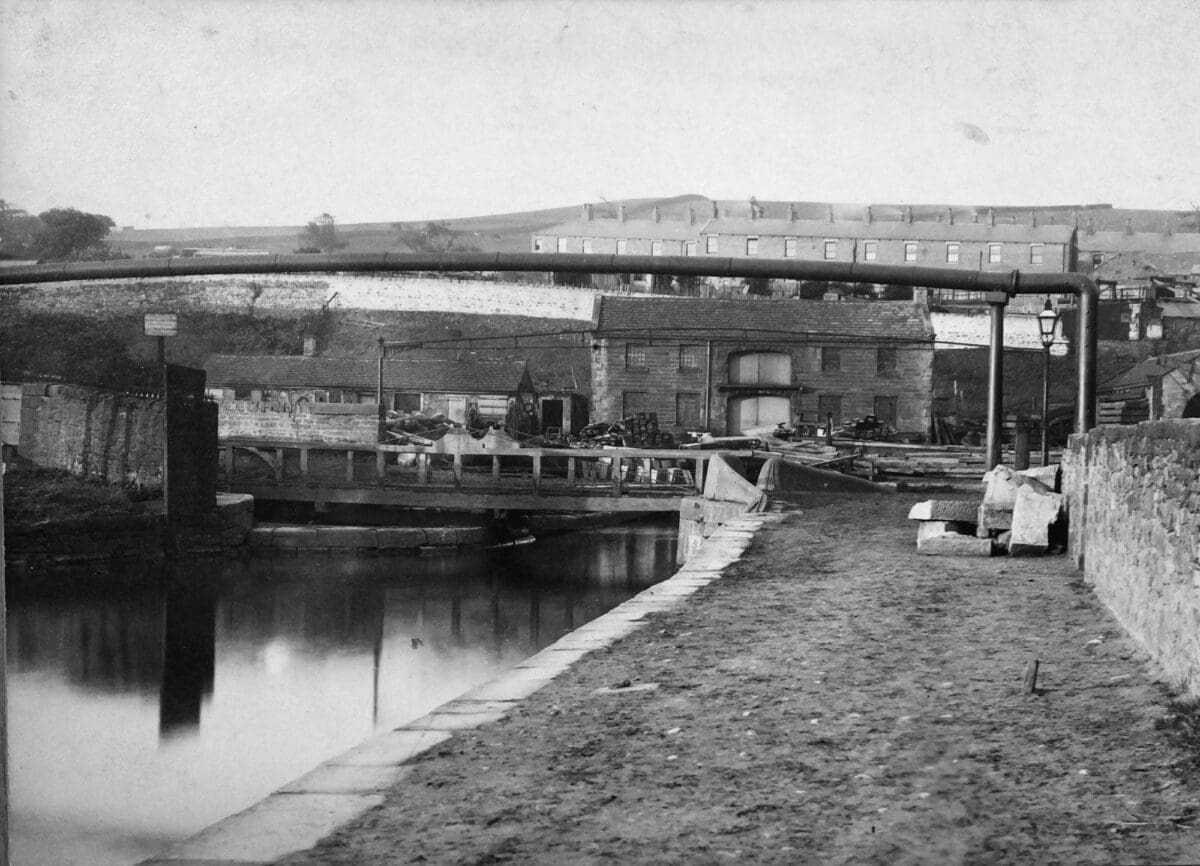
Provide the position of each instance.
(1192, 409)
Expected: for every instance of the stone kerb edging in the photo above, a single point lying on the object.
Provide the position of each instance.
(300, 813)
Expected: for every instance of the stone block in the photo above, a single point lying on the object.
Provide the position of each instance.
(1002, 484)
(355, 537)
(1033, 515)
(294, 537)
(399, 538)
(1047, 475)
(933, 528)
(954, 545)
(993, 517)
(957, 510)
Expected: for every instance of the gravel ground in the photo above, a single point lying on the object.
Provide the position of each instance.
(833, 699)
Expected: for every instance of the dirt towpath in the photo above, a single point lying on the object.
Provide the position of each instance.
(833, 699)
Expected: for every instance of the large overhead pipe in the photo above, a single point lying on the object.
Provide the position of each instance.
(898, 275)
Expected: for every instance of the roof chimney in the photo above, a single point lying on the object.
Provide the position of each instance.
(1128, 225)
(975, 216)
(1168, 227)
(655, 214)
(586, 213)
(869, 217)
(950, 215)
(691, 216)
(908, 215)
(620, 213)
(991, 217)
(792, 215)
(716, 211)
(829, 212)
(939, 217)
(1033, 218)
(1091, 226)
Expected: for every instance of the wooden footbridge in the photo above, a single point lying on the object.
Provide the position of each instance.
(526, 479)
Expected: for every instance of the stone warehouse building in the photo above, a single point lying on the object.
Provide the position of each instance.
(728, 365)
(950, 241)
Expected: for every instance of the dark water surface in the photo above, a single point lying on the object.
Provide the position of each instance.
(145, 707)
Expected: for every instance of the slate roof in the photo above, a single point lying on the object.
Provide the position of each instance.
(1139, 242)
(474, 376)
(1142, 373)
(705, 318)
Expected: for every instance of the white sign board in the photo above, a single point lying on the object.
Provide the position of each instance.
(161, 324)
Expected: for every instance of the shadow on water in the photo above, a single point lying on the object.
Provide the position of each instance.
(148, 703)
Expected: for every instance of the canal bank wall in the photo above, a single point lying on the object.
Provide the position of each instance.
(1134, 497)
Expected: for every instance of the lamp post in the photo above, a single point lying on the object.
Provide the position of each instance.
(1047, 322)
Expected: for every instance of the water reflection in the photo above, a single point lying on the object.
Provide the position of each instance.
(143, 707)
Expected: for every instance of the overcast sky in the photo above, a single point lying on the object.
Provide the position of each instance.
(258, 112)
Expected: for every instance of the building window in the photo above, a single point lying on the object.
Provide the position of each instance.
(635, 355)
(406, 402)
(710, 244)
(910, 251)
(539, 245)
(952, 253)
(885, 359)
(622, 245)
(656, 248)
(1097, 259)
(689, 357)
(885, 410)
(587, 246)
(831, 359)
(687, 409)
(870, 251)
(689, 248)
(830, 250)
(562, 245)
(789, 247)
(829, 409)
(633, 402)
(751, 246)
(492, 409)
(994, 254)
(1035, 254)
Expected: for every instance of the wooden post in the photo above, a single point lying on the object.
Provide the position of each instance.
(422, 468)
(278, 465)
(304, 462)
(699, 479)
(616, 476)
(647, 471)
(458, 467)
(570, 471)
(495, 469)
(380, 467)
(349, 465)
(1031, 672)
(537, 474)
(227, 455)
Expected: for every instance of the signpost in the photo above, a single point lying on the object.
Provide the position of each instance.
(161, 325)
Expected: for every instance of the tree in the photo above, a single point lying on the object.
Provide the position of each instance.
(67, 234)
(321, 234)
(434, 237)
(17, 230)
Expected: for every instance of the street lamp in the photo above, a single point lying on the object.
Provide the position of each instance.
(1047, 322)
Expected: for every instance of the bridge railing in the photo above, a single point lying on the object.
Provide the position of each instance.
(541, 471)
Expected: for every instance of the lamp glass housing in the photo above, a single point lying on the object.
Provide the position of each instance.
(1047, 323)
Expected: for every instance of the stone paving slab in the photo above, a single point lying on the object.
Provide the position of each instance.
(394, 747)
(439, 721)
(345, 779)
(274, 827)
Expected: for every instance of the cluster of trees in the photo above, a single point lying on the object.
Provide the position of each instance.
(56, 235)
(434, 237)
(321, 236)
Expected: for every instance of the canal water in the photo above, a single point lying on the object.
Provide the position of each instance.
(143, 707)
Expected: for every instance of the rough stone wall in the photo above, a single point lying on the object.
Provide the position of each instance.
(285, 294)
(1134, 499)
(291, 422)
(110, 437)
(975, 328)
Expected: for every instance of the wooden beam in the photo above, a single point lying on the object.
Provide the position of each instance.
(463, 500)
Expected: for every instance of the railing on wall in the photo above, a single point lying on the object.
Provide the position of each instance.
(322, 468)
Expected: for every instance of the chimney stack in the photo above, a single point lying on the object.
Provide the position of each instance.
(950, 215)
(830, 212)
(870, 217)
(991, 217)
(620, 213)
(1033, 218)
(1128, 225)
(1168, 228)
(908, 215)
(1091, 226)
(716, 211)
(691, 216)
(656, 215)
(975, 216)
(310, 345)
(792, 215)
(586, 213)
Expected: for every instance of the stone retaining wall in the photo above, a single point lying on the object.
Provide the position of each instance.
(1134, 498)
(304, 422)
(116, 438)
(287, 294)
